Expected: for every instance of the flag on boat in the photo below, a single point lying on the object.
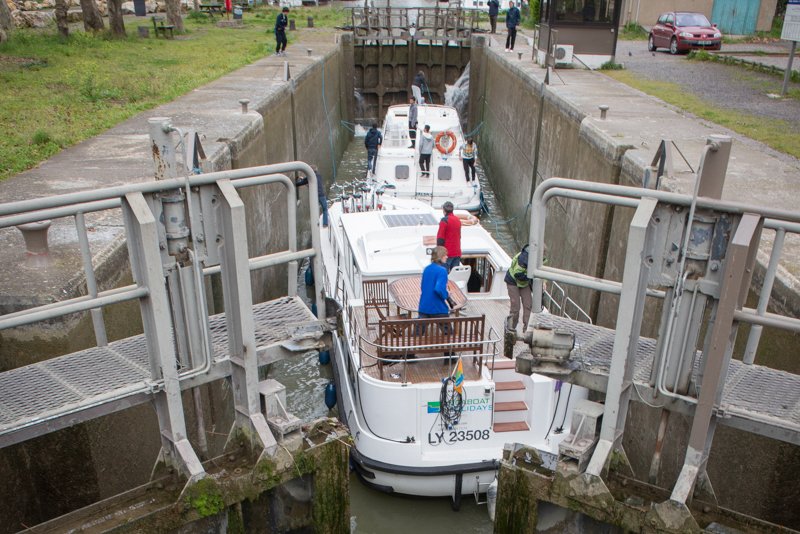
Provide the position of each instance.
(459, 377)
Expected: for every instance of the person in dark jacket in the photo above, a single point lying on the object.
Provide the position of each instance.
(372, 142)
(494, 8)
(412, 120)
(419, 87)
(323, 200)
(280, 32)
(449, 235)
(512, 21)
(519, 289)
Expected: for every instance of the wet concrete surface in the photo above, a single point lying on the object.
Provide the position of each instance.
(726, 86)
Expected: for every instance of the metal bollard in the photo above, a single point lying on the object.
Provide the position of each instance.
(310, 22)
(519, 56)
(292, 26)
(603, 111)
(309, 51)
(244, 102)
(35, 236)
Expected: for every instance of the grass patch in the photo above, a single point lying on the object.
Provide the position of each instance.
(633, 31)
(702, 55)
(55, 93)
(776, 134)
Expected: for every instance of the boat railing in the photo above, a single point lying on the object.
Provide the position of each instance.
(388, 354)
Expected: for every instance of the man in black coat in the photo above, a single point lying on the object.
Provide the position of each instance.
(372, 141)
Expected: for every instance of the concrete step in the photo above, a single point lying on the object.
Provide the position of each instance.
(512, 426)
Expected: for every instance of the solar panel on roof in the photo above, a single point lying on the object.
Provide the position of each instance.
(409, 219)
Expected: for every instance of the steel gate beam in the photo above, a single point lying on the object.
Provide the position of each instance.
(629, 322)
(146, 266)
(238, 300)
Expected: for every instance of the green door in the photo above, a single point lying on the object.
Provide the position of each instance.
(736, 17)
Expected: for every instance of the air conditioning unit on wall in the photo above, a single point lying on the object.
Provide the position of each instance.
(563, 55)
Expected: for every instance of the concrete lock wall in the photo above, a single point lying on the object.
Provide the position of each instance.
(298, 119)
(505, 101)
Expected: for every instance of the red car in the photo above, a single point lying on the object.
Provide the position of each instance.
(681, 32)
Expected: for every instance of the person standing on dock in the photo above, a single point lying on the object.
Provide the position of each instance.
(512, 21)
(519, 289)
(449, 235)
(280, 32)
(494, 9)
(469, 153)
(425, 150)
(372, 141)
(412, 120)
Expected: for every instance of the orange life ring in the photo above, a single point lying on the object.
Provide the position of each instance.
(450, 147)
(467, 219)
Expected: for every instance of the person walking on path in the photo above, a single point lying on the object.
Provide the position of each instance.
(494, 9)
(469, 153)
(419, 87)
(425, 151)
(519, 289)
(372, 141)
(323, 200)
(280, 32)
(449, 235)
(412, 120)
(512, 21)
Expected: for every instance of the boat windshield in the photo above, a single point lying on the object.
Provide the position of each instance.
(395, 135)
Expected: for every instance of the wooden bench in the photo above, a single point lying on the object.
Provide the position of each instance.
(396, 337)
(160, 27)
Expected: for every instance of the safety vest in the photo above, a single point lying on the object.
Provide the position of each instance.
(517, 269)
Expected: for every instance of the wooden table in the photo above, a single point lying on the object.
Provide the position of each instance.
(213, 8)
(406, 292)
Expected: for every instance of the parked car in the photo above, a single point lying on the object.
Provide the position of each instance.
(681, 32)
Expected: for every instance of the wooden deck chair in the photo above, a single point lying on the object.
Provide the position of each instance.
(376, 297)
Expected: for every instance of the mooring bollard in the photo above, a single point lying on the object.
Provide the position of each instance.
(244, 102)
(292, 26)
(603, 111)
(35, 236)
(310, 21)
(519, 56)
(309, 51)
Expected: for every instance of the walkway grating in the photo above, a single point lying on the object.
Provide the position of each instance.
(34, 396)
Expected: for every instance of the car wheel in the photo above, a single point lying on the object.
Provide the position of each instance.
(651, 45)
(673, 46)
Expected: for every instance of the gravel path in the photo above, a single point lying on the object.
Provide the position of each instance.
(725, 86)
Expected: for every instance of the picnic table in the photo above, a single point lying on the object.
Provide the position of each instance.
(213, 8)
(406, 291)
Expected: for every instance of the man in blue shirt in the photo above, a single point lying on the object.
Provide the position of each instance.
(512, 21)
(494, 8)
(433, 297)
(280, 32)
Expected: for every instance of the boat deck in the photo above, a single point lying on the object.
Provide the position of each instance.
(432, 367)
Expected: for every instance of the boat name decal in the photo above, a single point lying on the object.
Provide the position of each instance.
(470, 405)
(453, 436)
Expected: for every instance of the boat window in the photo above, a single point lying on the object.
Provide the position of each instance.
(401, 172)
(480, 280)
(395, 135)
(445, 173)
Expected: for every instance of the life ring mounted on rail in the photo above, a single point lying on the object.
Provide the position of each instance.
(451, 145)
(466, 218)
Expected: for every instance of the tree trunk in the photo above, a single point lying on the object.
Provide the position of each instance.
(6, 23)
(115, 21)
(92, 21)
(61, 18)
(174, 14)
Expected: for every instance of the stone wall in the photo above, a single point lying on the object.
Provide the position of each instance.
(287, 120)
(506, 103)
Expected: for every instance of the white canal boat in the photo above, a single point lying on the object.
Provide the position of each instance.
(411, 434)
(397, 169)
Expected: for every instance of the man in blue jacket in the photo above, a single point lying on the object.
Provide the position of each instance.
(494, 8)
(433, 297)
(512, 21)
(372, 141)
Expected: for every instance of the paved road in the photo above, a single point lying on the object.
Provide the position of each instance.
(725, 86)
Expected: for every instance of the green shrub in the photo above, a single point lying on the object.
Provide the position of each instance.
(41, 137)
(610, 65)
(633, 31)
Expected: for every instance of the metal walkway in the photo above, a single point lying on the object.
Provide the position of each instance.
(755, 398)
(73, 388)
